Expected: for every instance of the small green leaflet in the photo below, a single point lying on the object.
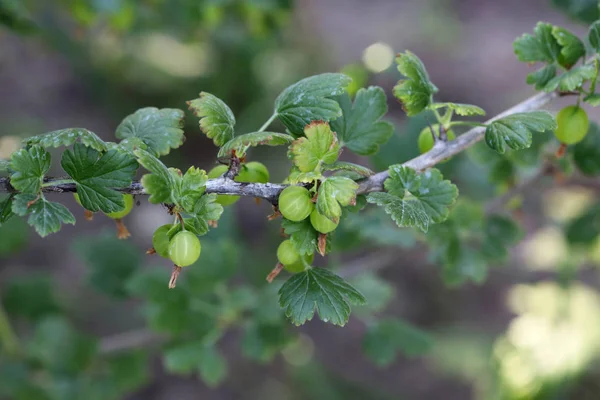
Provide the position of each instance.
(334, 193)
(6, 212)
(417, 90)
(348, 166)
(416, 199)
(97, 175)
(542, 76)
(190, 187)
(160, 130)
(541, 46)
(242, 142)
(386, 338)
(359, 128)
(45, 216)
(302, 234)
(29, 168)
(404, 212)
(594, 36)
(160, 183)
(592, 99)
(309, 100)
(586, 154)
(572, 48)
(320, 289)
(217, 121)
(206, 209)
(515, 130)
(320, 146)
(466, 110)
(66, 137)
(572, 79)
(500, 233)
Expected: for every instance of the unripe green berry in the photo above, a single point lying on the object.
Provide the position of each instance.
(321, 223)
(573, 125)
(425, 140)
(287, 253)
(300, 265)
(295, 203)
(253, 171)
(184, 249)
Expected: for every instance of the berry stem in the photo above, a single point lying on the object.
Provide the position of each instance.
(266, 124)
(561, 150)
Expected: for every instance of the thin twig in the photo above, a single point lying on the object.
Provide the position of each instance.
(136, 339)
(270, 191)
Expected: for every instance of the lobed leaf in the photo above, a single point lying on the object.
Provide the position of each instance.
(586, 154)
(386, 338)
(541, 46)
(160, 184)
(404, 212)
(515, 130)
(67, 137)
(542, 76)
(160, 130)
(29, 166)
(348, 166)
(190, 188)
(360, 128)
(242, 142)
(217, 121)
(572, 79)
(45, 216)
(572, 48)
(97, 175)
(309, 100)
(320, 146)
(334, 193)
(417, 90)
(465, 110)
(302, 235)
(205, 210)
(320, 289)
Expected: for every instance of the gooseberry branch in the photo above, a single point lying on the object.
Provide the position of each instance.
(270, 191)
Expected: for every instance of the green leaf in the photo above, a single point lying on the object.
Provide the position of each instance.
(541, 46)
(216, 118)
(161, 183)
(320, 146)
(592, 99)
(572, 79)
(110, 262)
(594, 36)
(464, 265)
(129, 371)
(334, 193)
(542, 76)
(160, 130)
(242, 142)
(499, 234)
(320, 289)
(59, 348)
(206, 209)
(360, 128)
(190, 188)
(302, 234)
(262, 341)
(350, 167)
(404, 212)
(572, 48)
(378, 290)
(417, 90)
(585, 229)
(386, 338)
(97, 175)
(586, 154)
(516, 130)
(31, 297)
(189, 357)
(582, 10)
(29, 168)
(309, 100)
(45, 216)
(6, 212)
(465, 110)
(415, 199)
(67, 137)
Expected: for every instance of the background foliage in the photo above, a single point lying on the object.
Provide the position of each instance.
(94, 316)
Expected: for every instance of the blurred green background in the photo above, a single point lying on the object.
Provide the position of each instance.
(531, 331)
